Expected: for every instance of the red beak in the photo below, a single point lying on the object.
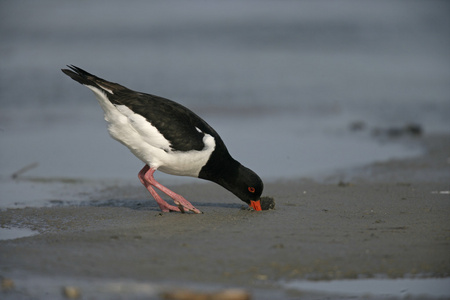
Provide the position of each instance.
(256, 205)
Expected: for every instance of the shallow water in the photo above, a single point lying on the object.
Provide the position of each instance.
(423, 288)
(15, 233)
(420, 288)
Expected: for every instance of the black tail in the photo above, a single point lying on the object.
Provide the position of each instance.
(86, 78)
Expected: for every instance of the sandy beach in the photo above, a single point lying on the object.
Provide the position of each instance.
(388, 219)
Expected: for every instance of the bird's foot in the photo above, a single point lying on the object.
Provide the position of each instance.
(184, 206)
(147, 179)
(168, 208)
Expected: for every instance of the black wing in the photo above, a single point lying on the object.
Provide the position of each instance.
(175, 122)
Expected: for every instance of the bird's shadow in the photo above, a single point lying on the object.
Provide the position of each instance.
(151, 205)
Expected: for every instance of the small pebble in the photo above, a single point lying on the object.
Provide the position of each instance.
(357, 126)
(71, 292)
(7, 284)
(344, 183)
(229, 294)
(414, 129)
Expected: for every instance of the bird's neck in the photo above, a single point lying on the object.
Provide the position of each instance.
(221, 168)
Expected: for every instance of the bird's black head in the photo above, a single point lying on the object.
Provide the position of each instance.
(247, 186)
(229, 173)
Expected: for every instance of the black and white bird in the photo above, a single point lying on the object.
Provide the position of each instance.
(169, 137)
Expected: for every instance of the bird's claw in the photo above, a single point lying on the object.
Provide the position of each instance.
(181, 208)
(185, 208)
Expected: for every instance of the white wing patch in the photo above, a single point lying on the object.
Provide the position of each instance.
(147, 132)
(106, 89)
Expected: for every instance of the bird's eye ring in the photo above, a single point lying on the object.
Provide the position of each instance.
(251, 189)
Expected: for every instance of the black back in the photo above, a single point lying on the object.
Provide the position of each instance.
(174, 121)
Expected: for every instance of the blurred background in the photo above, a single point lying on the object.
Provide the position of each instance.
(295, 88)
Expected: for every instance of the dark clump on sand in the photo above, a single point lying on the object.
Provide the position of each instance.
(267, 203)
(410, 129)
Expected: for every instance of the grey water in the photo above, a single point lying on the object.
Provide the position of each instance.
(375, 288)
(281, 81)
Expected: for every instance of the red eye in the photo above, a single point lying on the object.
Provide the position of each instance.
(251, 189)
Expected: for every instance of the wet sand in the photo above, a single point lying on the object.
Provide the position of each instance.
(388, 219)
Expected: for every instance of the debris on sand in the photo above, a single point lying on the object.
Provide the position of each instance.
(229, 294)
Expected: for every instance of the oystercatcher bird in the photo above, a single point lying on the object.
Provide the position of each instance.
(169, 137)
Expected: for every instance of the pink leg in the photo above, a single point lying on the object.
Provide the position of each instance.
(147, 179)
(163, 205)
